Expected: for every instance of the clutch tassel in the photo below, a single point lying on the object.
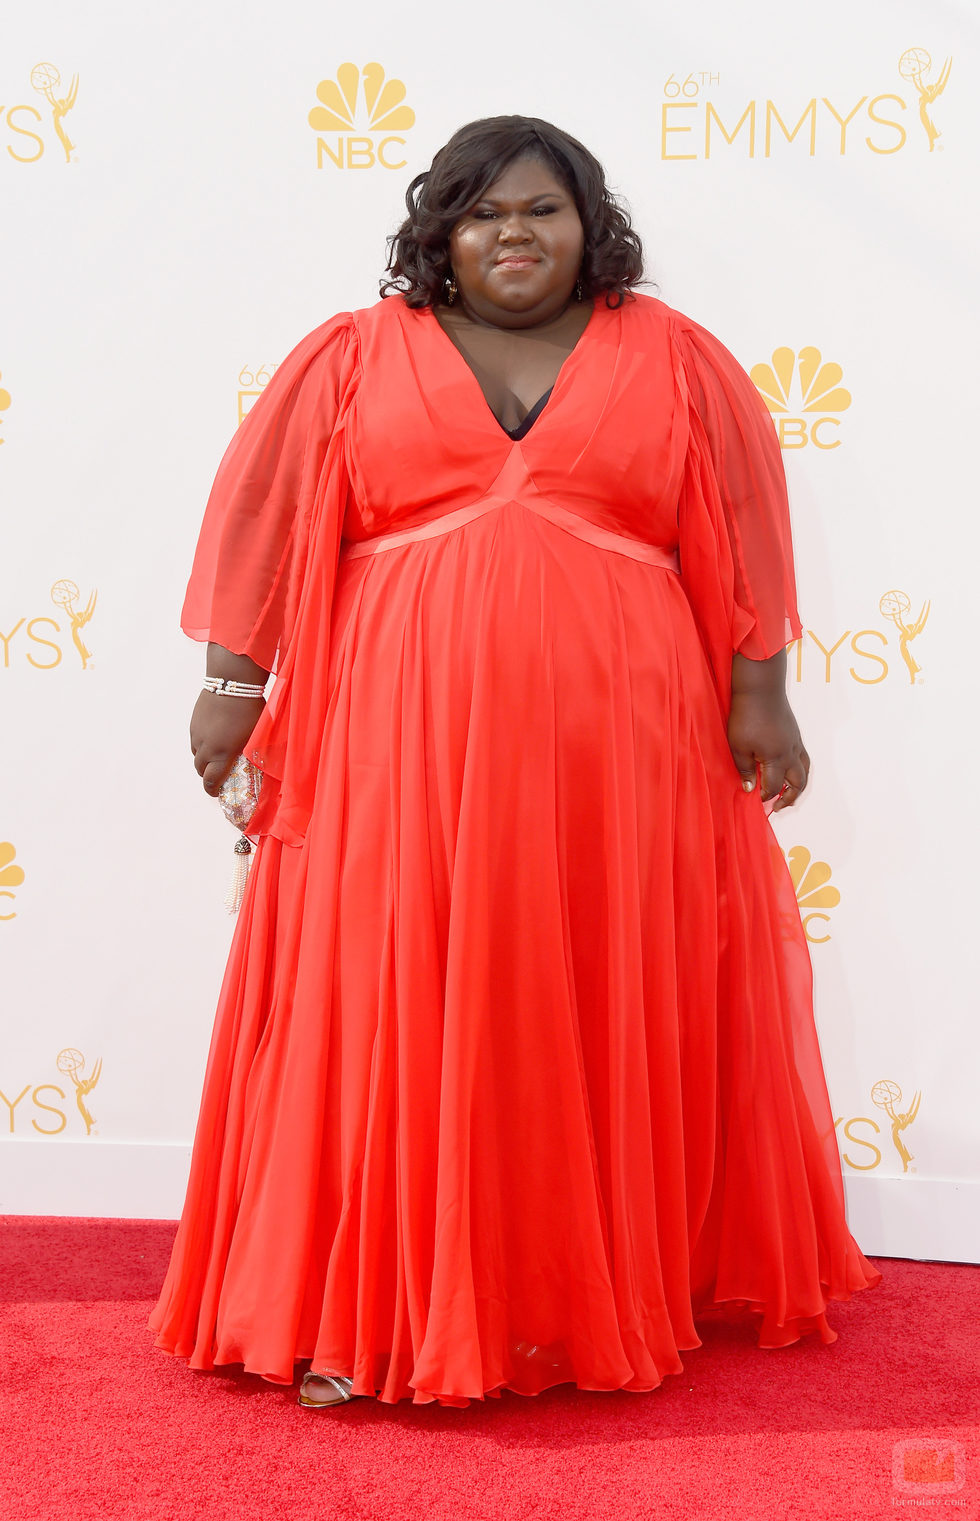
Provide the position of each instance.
(239, 879)
(238, 797)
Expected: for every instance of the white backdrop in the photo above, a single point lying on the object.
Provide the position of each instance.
(803, 180)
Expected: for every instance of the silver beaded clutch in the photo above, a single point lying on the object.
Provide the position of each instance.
(238, 797)
(240, 792)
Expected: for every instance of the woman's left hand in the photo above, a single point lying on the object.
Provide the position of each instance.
(763, 734)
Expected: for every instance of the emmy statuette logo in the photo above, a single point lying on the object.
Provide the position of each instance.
(914, 65)
(803, 383)
(702, 119)
(46, 80)
(894, 605)
(23, 128)
(72, 1063)
(361, 100)
(4, 403)
(37, 639)
(65, 594)
(887, 1096)
(862, 655)
(46, 1102)
(814, 892)
(11, 875)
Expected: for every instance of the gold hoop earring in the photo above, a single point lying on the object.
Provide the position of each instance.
(451, 289)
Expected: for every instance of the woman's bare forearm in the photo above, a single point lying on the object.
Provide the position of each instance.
(221, 725)
(759, 678)
(232, 667)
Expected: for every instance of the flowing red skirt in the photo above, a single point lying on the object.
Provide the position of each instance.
(515, 1070)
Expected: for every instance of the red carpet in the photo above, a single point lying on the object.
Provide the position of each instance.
(96, 1424)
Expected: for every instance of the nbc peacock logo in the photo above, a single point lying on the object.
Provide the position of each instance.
(814, 892)
(5, 400)
(358, 101)
(11, 876)
(794, 383)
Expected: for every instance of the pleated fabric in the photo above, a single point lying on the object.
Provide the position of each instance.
(515, 1071)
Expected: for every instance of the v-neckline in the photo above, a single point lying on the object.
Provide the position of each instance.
(540, 406)
(529, 419)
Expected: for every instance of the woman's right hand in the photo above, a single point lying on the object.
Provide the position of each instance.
(220, 729)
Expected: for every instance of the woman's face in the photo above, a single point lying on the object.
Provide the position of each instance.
(517, 252)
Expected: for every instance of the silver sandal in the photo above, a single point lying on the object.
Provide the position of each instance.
(343, 1386)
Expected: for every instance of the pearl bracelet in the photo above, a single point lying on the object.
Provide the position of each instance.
(225, 688)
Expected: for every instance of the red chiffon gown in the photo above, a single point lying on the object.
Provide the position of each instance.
(515, 1071)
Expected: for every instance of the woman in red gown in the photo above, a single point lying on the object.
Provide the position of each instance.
(515, 1071)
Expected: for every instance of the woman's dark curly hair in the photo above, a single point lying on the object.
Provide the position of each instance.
(472, 160)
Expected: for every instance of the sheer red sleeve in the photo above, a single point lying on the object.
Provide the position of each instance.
(735, 541)
(250, 560)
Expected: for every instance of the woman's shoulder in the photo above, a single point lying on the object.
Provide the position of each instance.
(648, 320)
(322, 345)
(385, 313)
(325, 358)
(694, 344)
(341, 343)
(349, 326)
(641, 308)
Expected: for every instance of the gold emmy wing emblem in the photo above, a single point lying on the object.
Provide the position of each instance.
(811, 881)
(46, 80)
(819, 390)
(888, 1096)
(895, 605)
(913, 65)
(65, 594)
(71, 1062)
(10, 875)
(4, 403)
